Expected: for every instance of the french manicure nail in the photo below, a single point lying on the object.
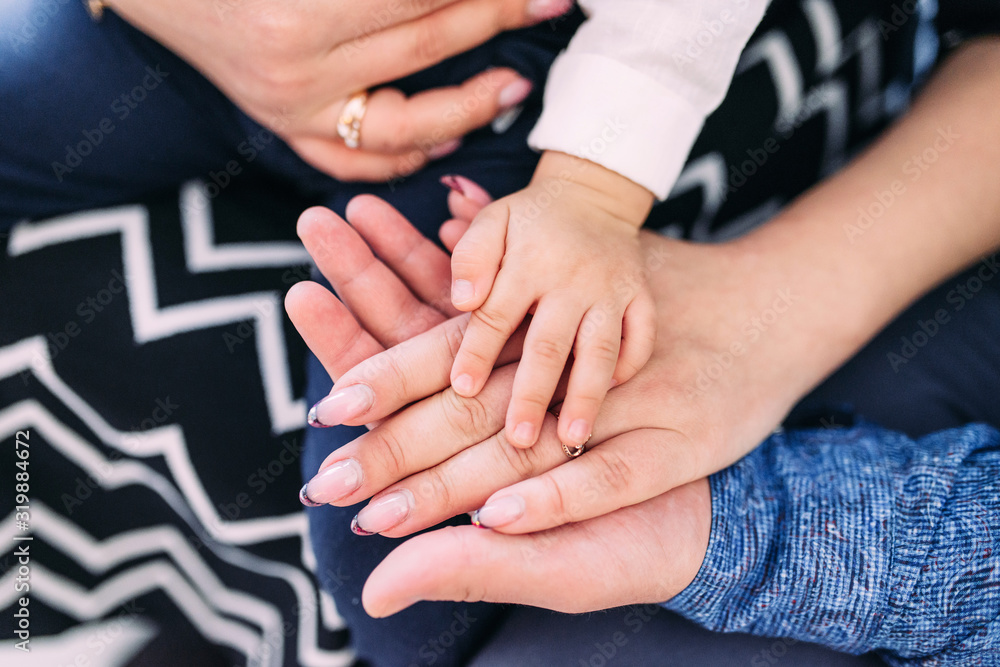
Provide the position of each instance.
(462, 291)
(548, 9)
(447, 148)
(524, 433)
(514, 93)
(452, 183)
(463, 385)
(382, 514)
(579, 431)
(342, 406)
(500, 512)
(332, 483)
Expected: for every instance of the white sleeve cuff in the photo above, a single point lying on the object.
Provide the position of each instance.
(608, 113)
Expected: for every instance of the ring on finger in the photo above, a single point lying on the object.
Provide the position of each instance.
(349, 123)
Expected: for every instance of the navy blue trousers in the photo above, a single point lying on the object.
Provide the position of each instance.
(98, 114)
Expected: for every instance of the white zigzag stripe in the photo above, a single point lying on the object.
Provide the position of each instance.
(203, 256)
(115, 641)
(151, 323)
(33, 355)
(70, 598)
(99, 557)
(835, 50)
(116, 474)
(775, 49)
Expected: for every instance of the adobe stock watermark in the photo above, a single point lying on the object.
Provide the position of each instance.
(751, 333)
(121, 108)
(711, 31)
(958, 297)
(914, 168)
(606, 652)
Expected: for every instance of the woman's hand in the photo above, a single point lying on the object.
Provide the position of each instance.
(641, 554)
(292, 67)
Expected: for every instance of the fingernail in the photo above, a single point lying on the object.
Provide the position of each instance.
(447, 148)
(332, 483)
(524, 433)
(499, 512)
(382, 514)
(579, 431)
(547, 9)
(462, 291)
(514, 93)
(463, 385)
(472, 191)
(341, 406)
(452, 183)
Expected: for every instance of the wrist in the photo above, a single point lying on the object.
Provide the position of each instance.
(621, 197)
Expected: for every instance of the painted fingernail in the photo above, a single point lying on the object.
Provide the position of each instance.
(579, 431)
(463, 385)
(500, 512)
(382, 514)
(462, 291)
(514, 93)
(332, 483)
(547, 9)
(452, 183)
(342, 406)
(524, 433)
(447, 148)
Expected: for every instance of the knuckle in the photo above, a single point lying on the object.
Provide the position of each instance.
(558, 499)
(549, 350)
(436, 488)
(428, 45)
(392, 452)
(615, 474)
(465, 415)
(489, 318)
(601, 348)
(525, 463)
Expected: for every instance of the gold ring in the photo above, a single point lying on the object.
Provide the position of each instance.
(349, 124)
(576, 451)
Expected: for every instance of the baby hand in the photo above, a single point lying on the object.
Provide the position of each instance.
(566, 249)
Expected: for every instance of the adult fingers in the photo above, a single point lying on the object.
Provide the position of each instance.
(408, 372)
(328, 328)
(332, 157)
(595, 356)
(546, 350)
(465, 481)
(475, 261)
(466, 198)
(416, 45)
(450, 233)
(395, 124)
(361, 279)
(413, 440)
(646, 553)
(619, 472)
(421, 265)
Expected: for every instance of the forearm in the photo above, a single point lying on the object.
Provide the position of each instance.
(918, 206)
(859, 539)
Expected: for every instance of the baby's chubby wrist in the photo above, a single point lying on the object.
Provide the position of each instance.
(559, 173)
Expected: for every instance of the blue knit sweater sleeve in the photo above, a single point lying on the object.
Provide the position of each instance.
(859, 539)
